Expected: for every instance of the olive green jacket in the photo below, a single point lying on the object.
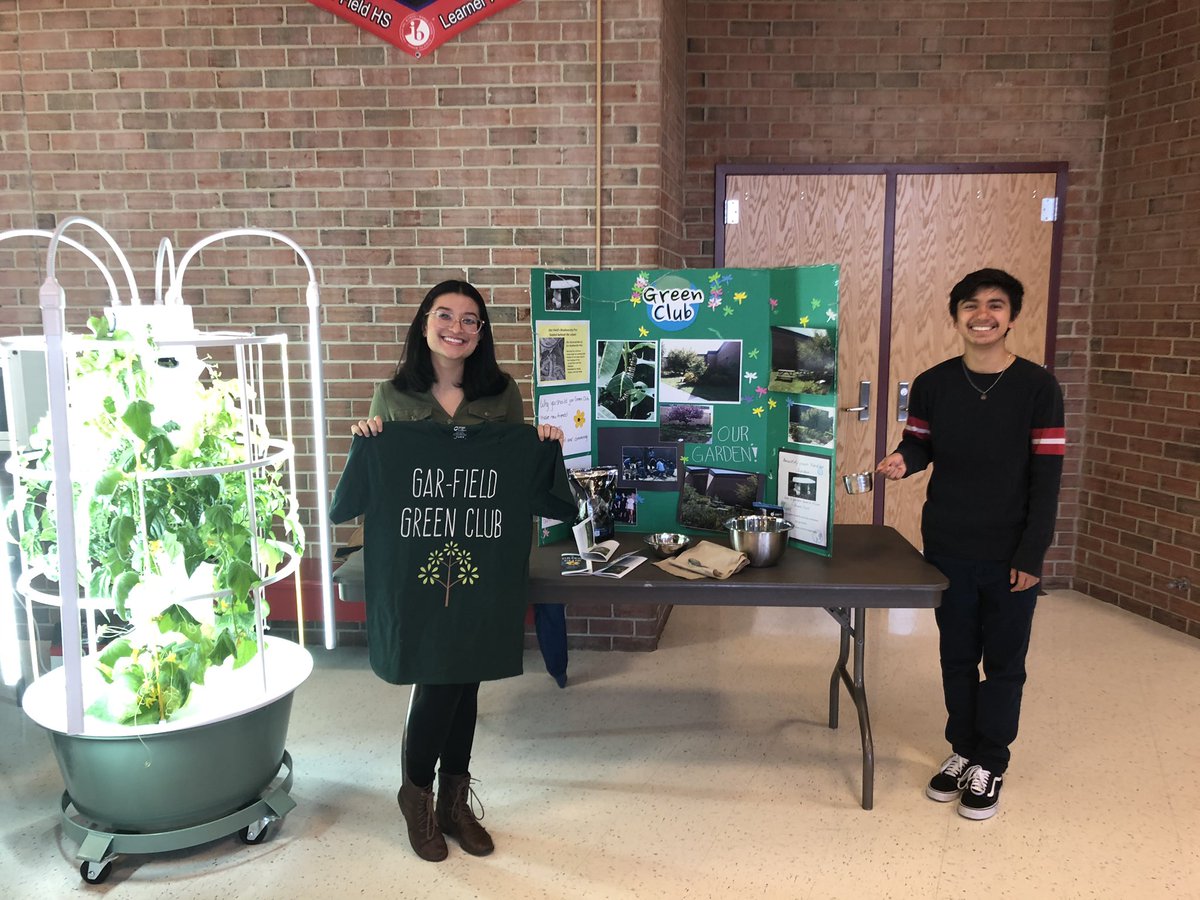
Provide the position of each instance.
(393, 405)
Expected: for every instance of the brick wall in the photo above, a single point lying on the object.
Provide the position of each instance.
(180, 119)
(1139, 540)
(674, 148)
(888, 82)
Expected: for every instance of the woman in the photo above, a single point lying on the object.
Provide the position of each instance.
(448, 374)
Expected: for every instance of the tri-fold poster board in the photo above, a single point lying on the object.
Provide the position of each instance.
(712, 392)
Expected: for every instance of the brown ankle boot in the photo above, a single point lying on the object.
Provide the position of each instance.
(456, 817)
(417, 805)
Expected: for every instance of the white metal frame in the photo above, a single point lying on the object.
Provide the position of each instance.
(248, 354)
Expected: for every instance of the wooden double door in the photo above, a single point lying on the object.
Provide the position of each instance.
(902, 236)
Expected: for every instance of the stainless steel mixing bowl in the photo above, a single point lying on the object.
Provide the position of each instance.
(762, 538)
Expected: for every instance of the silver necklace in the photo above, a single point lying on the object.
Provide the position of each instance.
(985, 391)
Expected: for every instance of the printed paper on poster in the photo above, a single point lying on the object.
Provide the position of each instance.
(804, 480)
(562, 353)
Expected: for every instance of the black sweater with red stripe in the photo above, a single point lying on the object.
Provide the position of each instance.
(997, 463)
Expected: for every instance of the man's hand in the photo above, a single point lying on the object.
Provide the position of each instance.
(1021, 581)
(892, 467)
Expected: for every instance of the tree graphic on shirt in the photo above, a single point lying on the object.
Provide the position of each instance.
(449, 566)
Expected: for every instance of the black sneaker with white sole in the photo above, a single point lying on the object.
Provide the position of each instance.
(946, 785)
(981, 793)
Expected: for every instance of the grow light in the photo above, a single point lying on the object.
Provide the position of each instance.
(312, 298)
(10, 650)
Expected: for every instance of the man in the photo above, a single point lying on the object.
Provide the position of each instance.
(991, 424)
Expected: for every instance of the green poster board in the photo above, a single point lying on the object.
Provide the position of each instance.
(691, 382)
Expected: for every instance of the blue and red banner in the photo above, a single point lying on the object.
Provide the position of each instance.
(415, 26)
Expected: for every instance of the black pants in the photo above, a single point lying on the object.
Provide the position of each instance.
(982, 620)
(441, 725)
(550, 622)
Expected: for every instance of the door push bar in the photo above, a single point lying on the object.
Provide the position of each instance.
(864, 402)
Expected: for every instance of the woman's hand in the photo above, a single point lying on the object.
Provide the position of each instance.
(367, 427)
(551, 433)
(892, 467)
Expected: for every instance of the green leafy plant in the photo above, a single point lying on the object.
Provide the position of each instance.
(810, 425)
(679, 361)
(177, 556)
(709, 511)
(626, 376)
(812, 367)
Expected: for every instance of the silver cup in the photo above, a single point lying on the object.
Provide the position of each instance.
(859, 483)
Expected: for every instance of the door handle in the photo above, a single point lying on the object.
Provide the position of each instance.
(864, 402)
(902, 402)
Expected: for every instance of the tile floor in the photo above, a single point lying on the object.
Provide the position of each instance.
(705, 770)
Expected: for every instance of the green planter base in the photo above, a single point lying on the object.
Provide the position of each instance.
(175, 779)
(151, 788)
(99, 849)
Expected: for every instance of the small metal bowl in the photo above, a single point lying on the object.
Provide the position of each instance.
(762, 538)
(859, 483)
(667, 543)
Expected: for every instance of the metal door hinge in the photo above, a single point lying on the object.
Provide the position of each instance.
(1049, 209)
(733, 212)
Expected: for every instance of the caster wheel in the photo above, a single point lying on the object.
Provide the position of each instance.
(95, 875)
(253, 834)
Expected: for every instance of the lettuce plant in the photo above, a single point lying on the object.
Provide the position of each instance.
(175, 556)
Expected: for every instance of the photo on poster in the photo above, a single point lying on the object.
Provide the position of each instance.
(562, 350)
(709, 496)
(563, 292)
(636, 455)
(701, 371)
(626, 381)
(656, 465)
(803, 360)
(685, 423)
(810, 425)
(552, 360)
(624, 506)
(804, 483)
(572, 412)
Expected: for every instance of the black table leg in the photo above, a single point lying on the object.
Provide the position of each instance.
(853, 624)
(843, 619)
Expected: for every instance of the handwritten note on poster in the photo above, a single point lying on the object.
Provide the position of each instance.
(570, 411)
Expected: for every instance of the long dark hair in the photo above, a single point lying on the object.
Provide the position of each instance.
(482, 376)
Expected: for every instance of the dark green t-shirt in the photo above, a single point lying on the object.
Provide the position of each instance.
(446, 543)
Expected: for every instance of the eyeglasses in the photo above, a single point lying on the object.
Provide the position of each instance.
(470, 324)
